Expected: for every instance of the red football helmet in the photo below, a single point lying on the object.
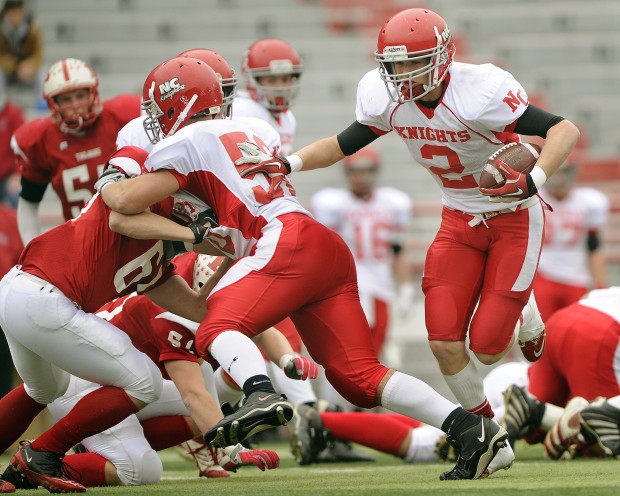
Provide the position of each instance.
(414, 35)
(271, 57)
(69, 75)
(221, 67)
(177, 90)
(365, 159)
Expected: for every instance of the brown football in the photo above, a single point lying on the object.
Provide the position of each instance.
(520, 156)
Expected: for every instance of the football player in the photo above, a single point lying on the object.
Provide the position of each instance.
(373, 221)
(271, 70)
(125, 454)
(572, 261)
(69, 148)
(288, 264)
(452, 116)
(46, 305)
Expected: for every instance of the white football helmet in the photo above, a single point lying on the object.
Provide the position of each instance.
(69, 75)
(271, 57)
(414, 35)
(204, 268)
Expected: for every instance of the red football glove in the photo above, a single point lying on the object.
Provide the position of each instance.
(518, 186)
(300, 368)
(257, 161)
(239, 456)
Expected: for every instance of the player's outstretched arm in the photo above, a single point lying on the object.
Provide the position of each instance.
(147, 225)
(135, 195)
(177, 297)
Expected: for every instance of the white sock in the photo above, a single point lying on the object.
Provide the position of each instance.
(409, 396)
(423, 442)
(225, 393)
(295, 391)
(238, 355)
(467, 386)
(551, 416)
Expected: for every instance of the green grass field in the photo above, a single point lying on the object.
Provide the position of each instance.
(531, 474)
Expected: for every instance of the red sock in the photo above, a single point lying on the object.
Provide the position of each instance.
(87, 468)
(412, 423)
(387, 434)
(165, 432)
(483, 410)
(17, 411)
(97, 411)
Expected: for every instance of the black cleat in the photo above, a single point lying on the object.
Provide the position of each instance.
(44, 468)
(260, 411)
(476, 448)
(600, 427)
(523, 413)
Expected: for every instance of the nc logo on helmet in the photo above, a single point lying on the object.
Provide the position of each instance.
(169, 88)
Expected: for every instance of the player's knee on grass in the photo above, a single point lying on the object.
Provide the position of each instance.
(140, 469)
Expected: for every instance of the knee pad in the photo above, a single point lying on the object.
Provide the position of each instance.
(143, 468)
(48, 395)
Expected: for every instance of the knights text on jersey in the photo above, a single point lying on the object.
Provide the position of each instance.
(202, 157)
(145, 324)
(91, 264)
(71, 162)
(475, 116)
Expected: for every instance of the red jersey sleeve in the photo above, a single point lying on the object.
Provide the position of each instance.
(29, 148)
(125, 107)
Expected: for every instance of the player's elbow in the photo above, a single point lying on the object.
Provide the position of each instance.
(118, 198)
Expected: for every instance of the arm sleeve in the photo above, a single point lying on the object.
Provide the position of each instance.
(536, 122)
(356, 137)
(31, 191)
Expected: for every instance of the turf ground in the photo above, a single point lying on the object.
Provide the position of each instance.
(531, 474)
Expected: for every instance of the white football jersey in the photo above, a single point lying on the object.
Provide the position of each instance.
(564, 256)
(202, 156)
(604, 300)
(453, 141)
(285, 124)
(370, 228)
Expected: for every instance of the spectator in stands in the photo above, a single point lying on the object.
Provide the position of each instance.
(21, 46)
(11, 117)
(373, 222)
(571, 262)
(68, 148)
(271, 71)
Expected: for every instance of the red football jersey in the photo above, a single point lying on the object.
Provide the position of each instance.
(10, 241)
(11, 117)
(72, 163)
(91, 264)
(150, 330)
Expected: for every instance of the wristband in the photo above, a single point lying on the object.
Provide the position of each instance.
(295, 162)
(284, 359)
(539, 176)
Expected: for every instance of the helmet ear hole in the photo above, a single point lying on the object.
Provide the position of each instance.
(170, 113)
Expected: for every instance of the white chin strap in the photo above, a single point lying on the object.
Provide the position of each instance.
(183, 115)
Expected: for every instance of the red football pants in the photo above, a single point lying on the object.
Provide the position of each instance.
(493, 265)
(301, 269)
(582, 347)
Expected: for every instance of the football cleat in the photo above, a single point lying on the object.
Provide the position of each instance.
(522, 414)
(260, 411)
(444, 450)
(16, 479)
(600, 427)
(532, 335)
(564, 433)
(338, 451)
(303, 428)
(503, 460)
(476, 448)
(206, 458)
(45, 468)
(6, 487)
